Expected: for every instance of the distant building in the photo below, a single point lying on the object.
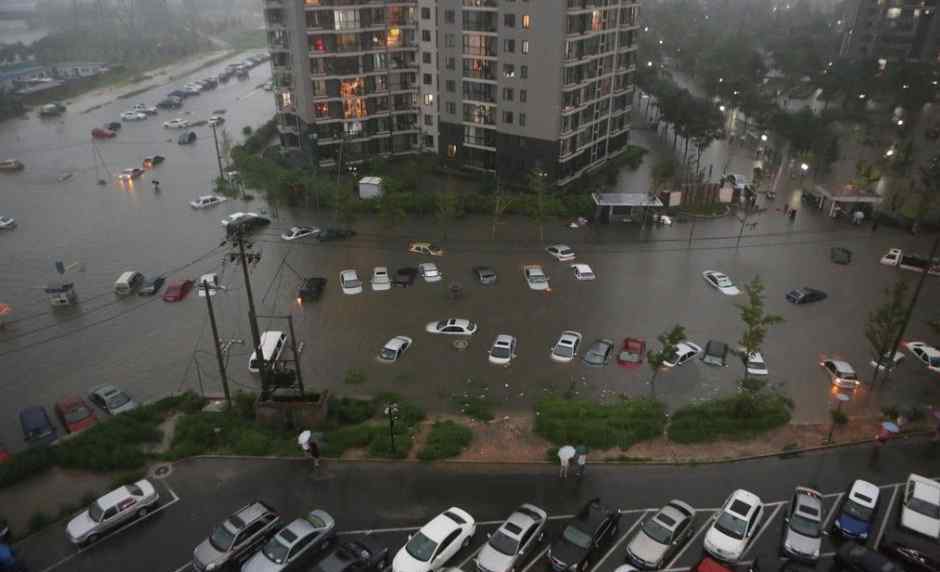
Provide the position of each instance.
(12, 76)
(892, 30)
(29, 77)
(76, 70)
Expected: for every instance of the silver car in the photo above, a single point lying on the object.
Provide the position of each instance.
(112, 510)
(237, 537)
(661, 536)
(802, 530)
(294, 545)
(515, 539)
(112, 399)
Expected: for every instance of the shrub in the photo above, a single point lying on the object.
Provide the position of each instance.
(890, 412)
(742, 416)
(26, 464)
(348, 411)
(194, 435)
(474, 408)
(114, 444)
(38, 521)
(599, 426)
(381, 445)
(353, 437)
(355, 376)
(446, 439)
(244, 404)
(839, 418)
(246, 130)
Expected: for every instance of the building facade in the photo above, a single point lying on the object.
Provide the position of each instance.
(892, 30)
(506, 86)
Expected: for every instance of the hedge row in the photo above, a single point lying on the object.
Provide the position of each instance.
(599, 426)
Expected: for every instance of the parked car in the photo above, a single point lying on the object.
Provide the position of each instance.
(735, 525)
(857, 511)
(632, 352)
(153, 160)
(425, 248)
(364, 554)
(429, 271)
(178, 123)
(75, 414)
(925, 560)
(566, 348)
(380, 280)
(151, 285)
(485, 275)
(430, 548)
(841, 373)
(507, 548)
(684, 352)
(177, 290)
(130, 174)
(716, 353)
(926, 354)
(111, 399)
(110, 511)
(38, 430)
(133, 116)
(216, 120)
(452, 327)
(503, 350)
(802, 526)
(114, 126)
(581, 539)
(405, 277)
(298, 232)
(328, 234)
(236, 223)
(535, 277)
(720, 282)
(920, 506)
(186, 138)
(349, 282)
(395, 348)
(560, 252)
(755, 364)
(598, 355)
(661, 536)
(100, 133)
(805, 295)
(206, 201)
(170, 103)
(583, 272)
(236, 538)
(311, 289)
(7, 223)
(859, 558)
(296, 545)
(212, 280)
(145, 109)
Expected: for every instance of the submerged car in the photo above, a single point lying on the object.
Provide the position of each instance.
(186, 138)
(394, 349)
(349, 282)
(926, 354)
(178, 123)
(598, 355)
(452, 327)
(805, 295)
(425, 248)
(297, 232)
(720, 282)
(177, 290)
(380, 280)
(716, 353)
(485, 275)
(405, 277)
(583, 272)
(206, 201)
(153, 160)
(311, 289)
(632, 352)
(151, 285)
(111, 510)
(566, 348)
(430, 272)
(506, 549)
(112, 399)
(535, 277)
(328, 234)
(920, 506)
(503, 350)
(560, 252)
(7, 222)
(841, 373)
(685, 351)
(365, 554)
(74, 414)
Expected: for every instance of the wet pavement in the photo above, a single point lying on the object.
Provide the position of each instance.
(647, 281)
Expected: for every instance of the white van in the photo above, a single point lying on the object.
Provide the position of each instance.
(128, 282)
(272, 344)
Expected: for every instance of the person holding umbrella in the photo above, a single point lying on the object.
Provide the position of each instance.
(310, 447)
(565, 454)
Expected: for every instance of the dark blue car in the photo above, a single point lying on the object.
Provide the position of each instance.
(38, 430)
(857, 512)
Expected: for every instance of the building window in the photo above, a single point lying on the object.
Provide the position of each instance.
(525, 46)
(449, 16)
(429, 119)
(425, 35)
(507, 94)
(451, 108)
(522, 119)
(426, 57)
(425, 13)
(451, 86)
(426, 79)
(523, 72)
(429, 99)
(509, 46)
(509, 70)
(526, 22)
(509, 20)
(507, 117)
(523, 95)
(449, 40)
(451, 151)
(451, 63)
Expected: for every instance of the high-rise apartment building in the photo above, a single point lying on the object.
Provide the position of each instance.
(892, 30)
(497, 85)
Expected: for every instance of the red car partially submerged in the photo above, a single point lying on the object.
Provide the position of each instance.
(632, 352)
(101, 133)
(177, 290)
(75, 414)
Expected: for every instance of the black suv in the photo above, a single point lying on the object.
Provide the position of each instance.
(246, 223)
(236, 538)
(593, 525)
(311, 289)
(361, 555)
(485, 275)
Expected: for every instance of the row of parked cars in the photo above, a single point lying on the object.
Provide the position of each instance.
(74, 413)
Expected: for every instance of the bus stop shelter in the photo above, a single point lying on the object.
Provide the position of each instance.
(623, 207)
(847, 197)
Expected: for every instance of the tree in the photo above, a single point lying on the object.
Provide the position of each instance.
(756, 320)
(536, 183)
(448, 209)
(391, 210)
(743, 216)
(656, 359)
(884, 323)
(345, 206)
(499, 207)
(663, 171)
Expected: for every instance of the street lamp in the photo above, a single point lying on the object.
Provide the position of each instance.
(721, 108)
(803, 168)
(763, 137)
(889, 153)
(649, 64)
(862, 96)
(900, 123)
(391, 411)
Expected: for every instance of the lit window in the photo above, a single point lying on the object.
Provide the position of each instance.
(893, 13)
(428, 98)
(525, 46)
(451, 151)
(394, 37)
(509, 70)
(526, 22)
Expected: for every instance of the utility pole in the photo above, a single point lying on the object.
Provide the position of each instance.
(252, 316)
(910, 308)
(218, 347)
(293, 347)
(218, 155)
(339, 171)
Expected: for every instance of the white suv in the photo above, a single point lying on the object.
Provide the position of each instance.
(921, 509)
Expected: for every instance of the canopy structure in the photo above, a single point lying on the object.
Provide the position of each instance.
(630, 205)
(848, 194)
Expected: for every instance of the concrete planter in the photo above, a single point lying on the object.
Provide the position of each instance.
(283, 412)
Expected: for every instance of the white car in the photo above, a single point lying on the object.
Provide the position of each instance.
(349, 282)
(561, 252)
(535, 277)
(429, 271)
(206, 201)
(583, 272)
(113, 509)
(212, 279)
(735, 525)
(7, 222)
(920, 508)
(684, 352)
(503, 350)
(394, 349)
(928, 355)
(892, 258)
(516, 540)
(566, 348)
(380, 279)
(297, 232)
(130, 174)
(133, 116)
(177, 123)
(841, 372)
(452, 327)
(889, 361)
(216, 120)
(145, 109)
(430, 548)
(720, 282)
(756, 364)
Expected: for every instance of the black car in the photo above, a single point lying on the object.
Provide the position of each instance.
(311, 289)
(405, 277)
(186, 138)
(364, 554)
(172, 102)
(151, 286)
(716, 353)
(914, 559)
(860, 558)
(805, 295)
(246, 223)
(485, 275)
(574, 549)
(113, 126)
(328, 234)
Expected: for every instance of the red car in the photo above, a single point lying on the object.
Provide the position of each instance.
(632, 352)
(4, 454)
(100, 133)
(178, 290)
(75, 414)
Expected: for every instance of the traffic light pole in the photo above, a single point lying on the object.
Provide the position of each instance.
(253, 317)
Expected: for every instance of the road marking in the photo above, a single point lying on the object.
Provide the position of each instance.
(764, 528)
(887, 516)
(620, 540)
(537, 558)
(835, 505)
(183, 567)
(691, 540)
(472, 555)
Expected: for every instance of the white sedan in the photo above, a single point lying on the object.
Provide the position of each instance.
(177, 123)
(113, 509)
(735, 525)
(430, 548)
(429, 271)
(452, 327)
(7, 222)
(720, 282)
(561, 252)
(566, 348)
(394, 349)
(297, 232)
(535, 277)
(350, 283)
(133, 116)
(380, 279)
(928, 355)
(212, 279)
(145, 109)
(756, 365)
(206, 201)
(503, 350)
(583, 272)
(684, 352)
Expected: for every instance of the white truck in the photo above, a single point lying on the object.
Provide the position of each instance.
(915, 262)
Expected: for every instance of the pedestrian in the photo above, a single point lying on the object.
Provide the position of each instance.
(313, 450)
(581, 460)
(565, 455)
(792, 215)
(874, 224)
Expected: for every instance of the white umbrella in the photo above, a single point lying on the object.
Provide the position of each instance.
(304, 438)
(566, 453)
